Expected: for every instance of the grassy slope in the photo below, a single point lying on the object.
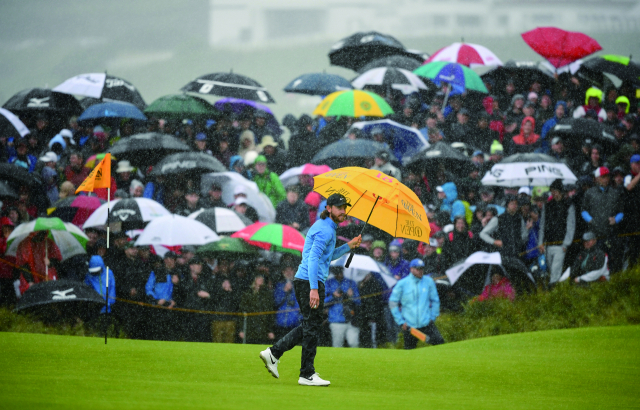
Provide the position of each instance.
(579, 368)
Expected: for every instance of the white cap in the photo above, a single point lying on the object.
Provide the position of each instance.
(49, 157)
(433, 242)
(239, 189)
(525, 190)
(439, 189)
(68, 134)
(96, 269)
(240, 200)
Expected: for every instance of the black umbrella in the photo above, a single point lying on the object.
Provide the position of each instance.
(62, 298)
(523, 74)
(229, 85)
(474, 279)
(359, 49)
(11, 126)
(574, 131)
(317, 84)
(222, 220)
(17, 177)
(397, 60)
(620, 66)
(438, 154)
(347, 152)
(43, 100)
(6, 191)
(103, 87)
(188, 162)
(148, 148)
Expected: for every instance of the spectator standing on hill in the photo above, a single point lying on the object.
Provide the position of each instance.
(97, 279)
(509, 229)
(418, 297)
(293, 211)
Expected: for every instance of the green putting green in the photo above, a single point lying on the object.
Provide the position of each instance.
(579, 368)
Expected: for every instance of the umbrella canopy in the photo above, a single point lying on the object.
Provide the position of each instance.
(17, 178)
(317, 84)
(360, 267)
(392, 206)
(227, 246)
(523, 74)
(68, 238)
(274, 237)
(441, 154)
(620, 66)
(528, 170)
(71, 296)
(115, 109)
(239, 106)
(460, 77)
(353, 103)
(574, 131)
(6, 191)
(148, 148)
(468, 54)
(75, 209)
(228, 181)
(36, 100)
(406, 141)
(390, 78)
(355, 51)
(103, 86)
(558, 46)
(188, 162)
(172, 230)
(229, 85)
(10, 125)
(397, 60)
(221, 220)
(181, 106)
(129, 210)
(346, 151)
(290, 176)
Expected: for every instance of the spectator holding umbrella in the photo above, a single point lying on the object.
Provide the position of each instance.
(215, 197)
(268, 182)
(499, 288)
(557, 227)
(461, 243)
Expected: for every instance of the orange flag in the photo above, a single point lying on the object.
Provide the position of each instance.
(100, 176)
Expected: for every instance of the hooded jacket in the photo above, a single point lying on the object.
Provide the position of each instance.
(550, 123)
(586, 111)
(623, 100)
(451, 203)
(526, 143)
(270, 185)
(159, 290)
(98, 281)
(419, 300)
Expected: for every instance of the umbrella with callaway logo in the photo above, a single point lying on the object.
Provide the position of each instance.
(130, 210)
(102, 86)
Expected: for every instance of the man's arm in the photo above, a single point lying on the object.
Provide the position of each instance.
(488, 230)
(434, 299)
(352, 244)
(571, 227)
(543, 220)
(317, 249)
(394, 304)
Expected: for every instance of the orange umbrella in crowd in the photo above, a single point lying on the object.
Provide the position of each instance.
(378, 199)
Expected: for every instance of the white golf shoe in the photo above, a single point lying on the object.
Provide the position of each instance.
(270, 362)
(314, 380)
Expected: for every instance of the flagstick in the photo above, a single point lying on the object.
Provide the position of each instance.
(107, 298)
(346, 265)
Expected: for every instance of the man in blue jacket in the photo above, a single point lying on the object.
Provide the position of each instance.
(343, 298)
(318, 252)
(97, 279)
(420, 303)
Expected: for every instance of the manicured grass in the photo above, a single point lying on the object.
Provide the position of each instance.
(579, 368)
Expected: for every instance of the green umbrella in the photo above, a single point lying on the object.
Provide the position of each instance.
(227, 245)
(181, 106)
(460, 77)
(68, 238)
(273, 237)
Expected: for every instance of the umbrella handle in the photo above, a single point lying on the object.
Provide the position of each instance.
(346, 265)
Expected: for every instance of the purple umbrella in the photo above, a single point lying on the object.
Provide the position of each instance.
(238, 105)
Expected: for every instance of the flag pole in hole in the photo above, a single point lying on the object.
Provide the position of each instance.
(100, 177)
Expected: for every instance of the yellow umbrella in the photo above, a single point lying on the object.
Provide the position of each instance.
(378, 199)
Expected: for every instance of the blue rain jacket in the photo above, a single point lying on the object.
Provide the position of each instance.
(336, 310)
(419, 300)
(98, 281)
(159, 290)
(288, 315)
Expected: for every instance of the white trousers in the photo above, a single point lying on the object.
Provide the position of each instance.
(341, 330)
(555, 260)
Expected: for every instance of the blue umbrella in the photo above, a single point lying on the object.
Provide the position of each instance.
(318, 84)
(405, 141)
(112, 110)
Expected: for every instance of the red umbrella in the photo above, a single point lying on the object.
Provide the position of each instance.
(274, 237)
(560, 47)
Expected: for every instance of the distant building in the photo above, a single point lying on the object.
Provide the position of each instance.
(256, 23)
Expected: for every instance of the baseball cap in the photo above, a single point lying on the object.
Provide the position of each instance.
(588, 236)
(439, 189)
(634, 158)
(337, 200)
(417, 263)
(476, 153)
(601, 171)
(240, 200)
(525, 190)
(201, 136)
(65, 133)
(556, 140)
(49, 157)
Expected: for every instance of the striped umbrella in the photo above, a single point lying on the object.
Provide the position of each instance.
(68, 238)
(273, 237)
(468, 54)
(353, 103)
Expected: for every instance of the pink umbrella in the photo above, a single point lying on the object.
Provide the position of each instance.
(290, 176)
(471, 55)
(560, 47)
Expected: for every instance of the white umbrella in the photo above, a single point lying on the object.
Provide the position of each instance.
(228, 181)
(172, 230)
(68, 241)
(15, 121)
(485, 258)
(528, 174)
(397, 78)
(360, 267)
(221, 219)
(137, 209)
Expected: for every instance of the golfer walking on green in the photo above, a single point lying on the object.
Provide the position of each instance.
(319, 250)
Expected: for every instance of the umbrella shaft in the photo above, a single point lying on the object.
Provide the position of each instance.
(346, 265)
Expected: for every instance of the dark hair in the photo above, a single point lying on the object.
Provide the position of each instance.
(324, 214)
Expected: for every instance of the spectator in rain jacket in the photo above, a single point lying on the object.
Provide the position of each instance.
(97, 279)
(448, 193)
(560, 113)
(591, 108)
(160, 289)
(343, 299)
(288, 316)
(500, 287)
(22, 157)
(399, 267)
(527, 140)
(268, 182)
